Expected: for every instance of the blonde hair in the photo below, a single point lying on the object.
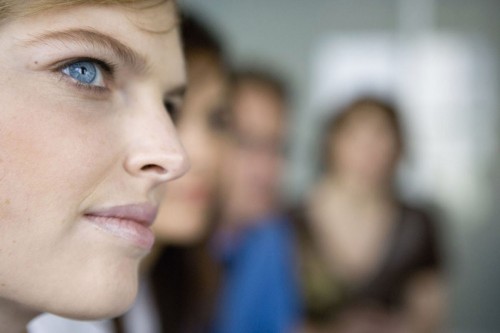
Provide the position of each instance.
(10, 9)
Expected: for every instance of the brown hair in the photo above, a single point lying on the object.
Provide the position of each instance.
(366, 104)
(200, 39)
(14, 8)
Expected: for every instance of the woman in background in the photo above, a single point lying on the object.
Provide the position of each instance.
(85, 144)
(179, 275)
(369, 262)
(184, 277)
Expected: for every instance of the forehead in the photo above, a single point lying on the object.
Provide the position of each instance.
(367, 115)
(259, 98)
(258, 110)
(155, 21)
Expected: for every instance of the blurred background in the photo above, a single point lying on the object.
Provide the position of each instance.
(440, 61)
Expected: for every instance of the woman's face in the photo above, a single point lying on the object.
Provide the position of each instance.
(184, 213)
(365, 147)
(254, 157)
(85, 142)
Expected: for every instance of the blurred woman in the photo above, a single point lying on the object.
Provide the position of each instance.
(86, 142)
(369, 262)
(179, 275)
(201, 125)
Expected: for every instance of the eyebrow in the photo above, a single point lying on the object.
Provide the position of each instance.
(97, 39)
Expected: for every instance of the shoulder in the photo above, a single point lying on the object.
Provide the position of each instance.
(418, 218)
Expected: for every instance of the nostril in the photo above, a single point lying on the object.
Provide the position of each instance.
(153, 168)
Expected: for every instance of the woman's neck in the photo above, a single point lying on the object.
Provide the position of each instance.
(357, 191)
(13, 317)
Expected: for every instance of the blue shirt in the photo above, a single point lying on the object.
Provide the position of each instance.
(259, 287)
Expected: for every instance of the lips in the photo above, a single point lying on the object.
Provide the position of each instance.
(128, 222)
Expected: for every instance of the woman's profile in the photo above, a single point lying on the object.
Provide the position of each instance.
(86, 140)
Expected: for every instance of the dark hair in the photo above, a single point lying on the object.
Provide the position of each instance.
(339, 118)
(199, 38)
(261, 77)
(184, 281)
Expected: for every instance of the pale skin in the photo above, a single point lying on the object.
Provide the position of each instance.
(68, 147)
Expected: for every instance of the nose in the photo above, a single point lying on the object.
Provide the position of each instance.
(155, 152)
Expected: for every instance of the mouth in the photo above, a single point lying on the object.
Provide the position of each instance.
(129, 222)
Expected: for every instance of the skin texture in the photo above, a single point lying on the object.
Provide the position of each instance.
(66, 149)
(254, 161)
(184, 212)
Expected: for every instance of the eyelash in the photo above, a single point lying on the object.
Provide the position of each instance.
(107, 68)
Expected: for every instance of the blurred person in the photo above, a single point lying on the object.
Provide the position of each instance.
(254, 158)
(202, 126)
(253, 240)
(86, 144)
(177, 276)
(369, 262)
(183, 276)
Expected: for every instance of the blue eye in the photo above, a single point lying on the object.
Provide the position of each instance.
(85, 72)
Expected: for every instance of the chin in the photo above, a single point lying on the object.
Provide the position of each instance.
(186, 238)
(104, 307)
(187, 234)
(104, 296)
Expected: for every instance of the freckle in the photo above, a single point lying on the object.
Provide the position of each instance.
(36, 62)
(7, 202)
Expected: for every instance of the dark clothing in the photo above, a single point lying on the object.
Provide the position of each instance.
(184, 281)
(413, 248)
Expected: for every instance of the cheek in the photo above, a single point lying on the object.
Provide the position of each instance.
(343, 152)
(215, 159)
(47, 157)
(201, 141)
(48, 165)
(204, 155)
